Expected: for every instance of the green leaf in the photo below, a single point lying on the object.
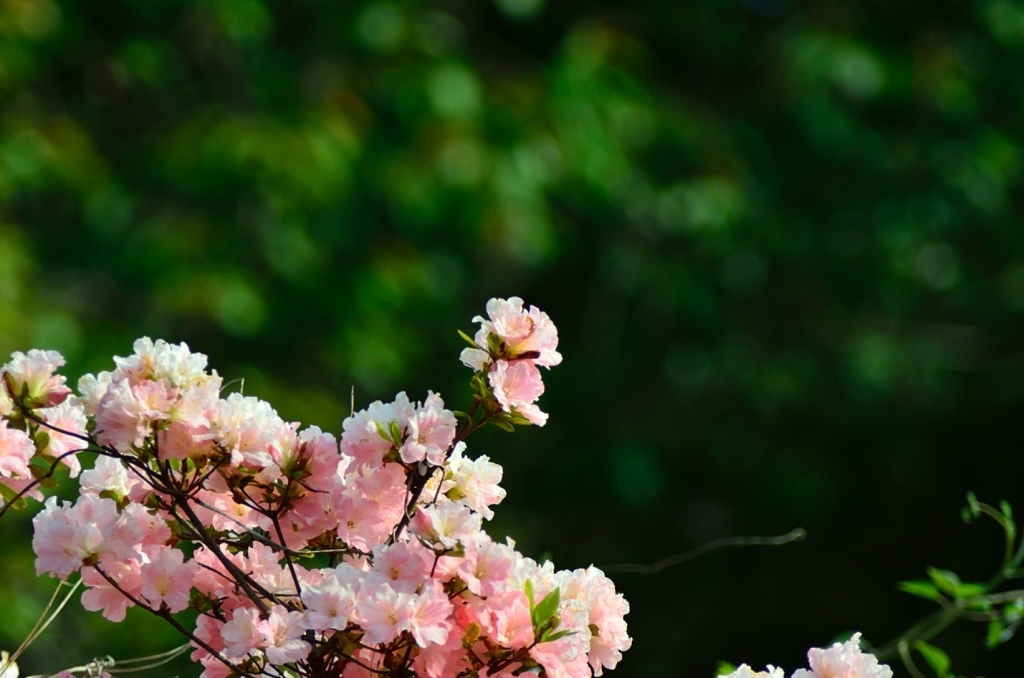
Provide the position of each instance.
(995, 633)
(469, 339)
(947, 581)
(969, 590)
(552, 637)
(503, 424)
(9, 495)
(546, 609)
(920, 588)
(42, 440)
(1004, 506)
(724, 669)
(528, 588)
(396, 433)
(936, 658)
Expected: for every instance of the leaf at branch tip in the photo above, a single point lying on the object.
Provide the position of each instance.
(469, 339)
(9, 495)
(724, 668)
(948, 582)
(503, 424)
(1004, 506)
(920, 588)
(552, 637)
(546, 609)
(936, 658)
(973, 510)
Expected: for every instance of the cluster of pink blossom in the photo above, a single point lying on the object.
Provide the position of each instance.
(49, 434)
(302, 553)
(842, 660)
(508, 348)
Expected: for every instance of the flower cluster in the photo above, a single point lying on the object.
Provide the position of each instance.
(508, 348)
(842, 660)
(304, 554)
(41, 423)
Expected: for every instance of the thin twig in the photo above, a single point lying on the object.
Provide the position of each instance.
(799, 534)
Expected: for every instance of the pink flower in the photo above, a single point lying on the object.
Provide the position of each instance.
(68, 416)
(241, 635)
(516, 386)
(473, 482)
(844, 660)
(167, 579)
(403, 565)
(248, 427)
(448, 525)
(161, 361)
(16, 450)
(102, 596)
(329, 605)
(385, 613)
(523, 333)
(280, 636)
(431, 431)
(66, 535)
(360, 524)
(428, 621)
(33, 375)
(107, 475)
(506, 619)
(486, 569)
(745, 671)
(367, 435)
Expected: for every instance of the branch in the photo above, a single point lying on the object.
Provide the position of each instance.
(799, 534)
(164, 614)
(31, 486)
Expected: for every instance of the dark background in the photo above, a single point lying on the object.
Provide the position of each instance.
(782, 243)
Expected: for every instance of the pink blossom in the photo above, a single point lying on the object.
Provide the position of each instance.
(102, 596)
(360, 524)
(744, 671)
(107, 475)
(516, 386)
(361, 437)
(431, 431)
(506, 619)
(329, 605)
(16, 450)
(403, 566)
(486, 568)
(385, 613)
(448, 525)
(280, 636)
(167, 579)
(247, 427)
(161, 361)
(66, 535)
(529, 332)
(93, 387)
(241, 635)
(562, 658)
(67, 417)
(33, 375)
(844, 660)
(126, 415)
(430, 611)
(473, 482)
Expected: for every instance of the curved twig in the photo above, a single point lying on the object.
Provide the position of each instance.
(799, 534)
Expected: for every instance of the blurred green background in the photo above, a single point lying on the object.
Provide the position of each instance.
(781, 240)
